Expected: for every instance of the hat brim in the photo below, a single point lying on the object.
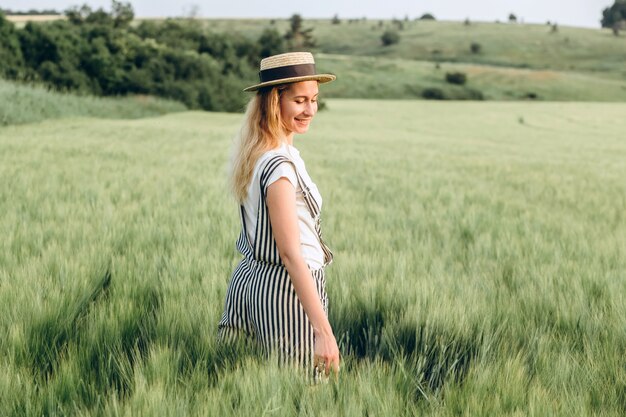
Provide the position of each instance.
(322, 78)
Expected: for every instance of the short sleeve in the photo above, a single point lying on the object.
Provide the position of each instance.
(283, 170)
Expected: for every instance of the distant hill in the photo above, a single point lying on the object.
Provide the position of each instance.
(513, 61)
(23, 18)
(502, 44)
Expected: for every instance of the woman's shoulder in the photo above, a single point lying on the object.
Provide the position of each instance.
(267, 155)
(269, 172)
(281, 151)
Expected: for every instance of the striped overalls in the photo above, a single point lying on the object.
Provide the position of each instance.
(261, 301)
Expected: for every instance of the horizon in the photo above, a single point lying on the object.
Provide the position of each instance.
(136, 17)
(575, 13)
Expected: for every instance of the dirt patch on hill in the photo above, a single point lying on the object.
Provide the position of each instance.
(35, 18)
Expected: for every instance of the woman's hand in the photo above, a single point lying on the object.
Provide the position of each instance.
(326, 355)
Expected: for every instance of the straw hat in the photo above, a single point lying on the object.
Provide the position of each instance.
(288, 68)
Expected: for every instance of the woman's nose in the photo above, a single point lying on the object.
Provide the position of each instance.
(310, 108)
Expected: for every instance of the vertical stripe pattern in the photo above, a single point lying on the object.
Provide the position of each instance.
(261, 302)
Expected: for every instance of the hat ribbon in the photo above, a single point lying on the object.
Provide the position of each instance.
(287, 71)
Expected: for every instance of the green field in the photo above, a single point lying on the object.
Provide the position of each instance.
(480, 263)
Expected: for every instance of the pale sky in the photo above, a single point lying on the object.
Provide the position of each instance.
(586, 13)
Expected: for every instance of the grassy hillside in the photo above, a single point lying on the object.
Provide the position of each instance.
(480, 263)
(375, 77)
(515, 60)
(20, 103)
(503, 44)
(509, 45)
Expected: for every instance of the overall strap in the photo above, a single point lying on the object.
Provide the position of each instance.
(271, 166)
(243, 242)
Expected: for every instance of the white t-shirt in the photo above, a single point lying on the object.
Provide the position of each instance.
(309, 243)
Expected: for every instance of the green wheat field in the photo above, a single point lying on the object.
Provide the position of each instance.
(480, 264)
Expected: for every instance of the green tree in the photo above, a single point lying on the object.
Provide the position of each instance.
(271, 43)
(298, 37)
(11, 60)
(77, 15)
(122, 13)
(52, 53)
(614, 15)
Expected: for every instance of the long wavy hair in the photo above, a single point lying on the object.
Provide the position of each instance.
(261, 130)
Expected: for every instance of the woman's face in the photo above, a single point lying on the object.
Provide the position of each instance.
(298, 105)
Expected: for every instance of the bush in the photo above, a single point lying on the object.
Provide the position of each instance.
(458, 78)
(475, 48)
(427, 16)
(433, 93)
(390, 37)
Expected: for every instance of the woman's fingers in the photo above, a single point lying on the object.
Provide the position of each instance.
(326, 364)
(318, 361)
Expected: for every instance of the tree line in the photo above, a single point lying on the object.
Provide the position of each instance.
(99, 52)
(31, 12)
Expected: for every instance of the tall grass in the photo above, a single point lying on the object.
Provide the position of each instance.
(480, 264)
(20, 103)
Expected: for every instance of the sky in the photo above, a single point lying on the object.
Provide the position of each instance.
(585, 13)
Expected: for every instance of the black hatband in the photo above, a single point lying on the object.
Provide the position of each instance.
(288, 71)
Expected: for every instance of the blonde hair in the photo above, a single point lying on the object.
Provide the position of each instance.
(262, 130)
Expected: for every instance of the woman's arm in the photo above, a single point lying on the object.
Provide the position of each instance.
(281, 203)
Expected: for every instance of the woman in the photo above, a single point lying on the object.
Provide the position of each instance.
(277, 293)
